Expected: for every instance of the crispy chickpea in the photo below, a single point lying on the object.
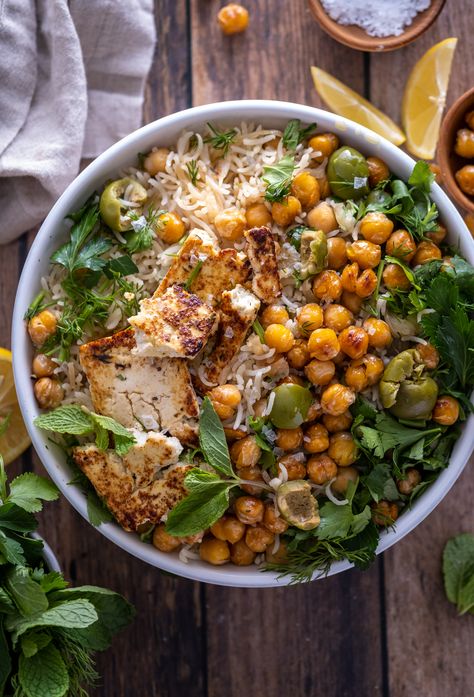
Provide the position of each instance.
(250, 474)
(384, 513)
(241, 555)
(48, 392)
(354, 341)
(170, 228)
(323, 344)
(376, 227)
(327, 285)
(464, 146)
(230, 224)
(289, 438)
(336, 399)
(446, 410)
(214, 551)
(322, 217)
(372, 367)
(298, 356)
(274, 314)
(342, 448)
(314, 412)
(258, 215)
(465, 179)
(249, 510)
(469, 118)
(233, 18)
(285, 212)
(43, 366)
(355, 377)
(429, 355)
(163, 541)
(278, 557)
(343, 477)
(279, 337)
(316, 439)
(366, 254)
(366, 283)
(225, 398)
(438, 235)
(412, 479)
(379, 332)
(245, 452)
(321, 469)
(352, 301)
(324, 144)
(320, 372)
(306, 189)
(337, 423)
(294, 466)
(401, 245)
(378, 171)
(309, 317)
(259, 538)
(337, 317)
(349, 276)
(155, 161)
(229, 529)
(272, 522)
(394, 277)
(41, 327)
(292, 380)
(324, 187)
(425, 252)
(337, 256)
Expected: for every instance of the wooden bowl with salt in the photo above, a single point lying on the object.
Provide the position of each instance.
(355, 37)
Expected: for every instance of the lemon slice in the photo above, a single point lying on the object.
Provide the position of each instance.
(424, 98)
(345, 102)
(15, 440)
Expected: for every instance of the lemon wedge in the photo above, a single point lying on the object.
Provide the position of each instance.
(14, 440)
(424, 98)
(345, 102)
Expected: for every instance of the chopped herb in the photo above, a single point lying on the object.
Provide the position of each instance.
(220, 140)
(36, 306)
(193, 275)
(294, 235)
(144, 230)
(193, 171)
(259, 331)
(278, 178)
(294, 133)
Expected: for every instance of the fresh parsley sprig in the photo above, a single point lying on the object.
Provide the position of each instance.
(278, 178)
(294, 133)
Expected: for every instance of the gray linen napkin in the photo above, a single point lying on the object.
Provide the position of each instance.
(72, 77)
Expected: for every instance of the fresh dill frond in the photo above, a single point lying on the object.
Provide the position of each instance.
(220, 140)
(193, 171)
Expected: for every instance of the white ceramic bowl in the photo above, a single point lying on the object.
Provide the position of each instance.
(53, 232)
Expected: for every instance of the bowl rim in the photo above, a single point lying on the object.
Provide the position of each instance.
(259, 111)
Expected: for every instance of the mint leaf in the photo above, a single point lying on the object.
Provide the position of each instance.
(34, 642)
(27, 595)
(67, 419)
(44, 674)
(458, 571)
(6, 603)
(124, 439)
(466, 597)
(28, 489)
(213, 441)
(97, 511)
(69, 614)
(12, 517)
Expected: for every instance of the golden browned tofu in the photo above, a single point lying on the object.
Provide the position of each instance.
(224, 271)
(176, 324)
(260, 249)
(198, 247)
(140, 392)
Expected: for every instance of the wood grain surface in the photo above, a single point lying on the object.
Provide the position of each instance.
(387, 632)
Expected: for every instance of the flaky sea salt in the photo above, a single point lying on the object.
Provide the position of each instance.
(377, 17)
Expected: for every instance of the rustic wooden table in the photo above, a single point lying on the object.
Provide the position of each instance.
(388, 631)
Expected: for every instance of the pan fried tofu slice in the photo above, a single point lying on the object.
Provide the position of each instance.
(140, 392)
(199, 246)
(260, 249)
(176, 324)
(151, 453)
(224, 271)
(239, 308)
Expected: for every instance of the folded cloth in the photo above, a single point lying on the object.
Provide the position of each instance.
(72, 77)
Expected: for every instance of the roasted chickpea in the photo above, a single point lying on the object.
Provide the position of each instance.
(323, 344)
(379, 332)
(250, 474)
(289, 438)
(349, 276)
(438, 235)
(372, 367)
(249, 510)
(464, 146)
(43, 366)
(306, 189)
(314, 412)
(214, 551)
(230, 224)
(324, 187)
(366, 254)
(309, 317)
(278, 557)
(337, 317)
(292, 380)
(429, 355)
(412, 479)
(354, 341)
(469, 118)
(378, 171)
(41, 327)
(337, 255)
(279, 337)
(465, 179)
(274, 314)
(229, 529)
(327, 285)
(298, 356)
(355, 376)
(425, 252)
(384, 513)
(342, 448)
(241, 555)
(316, 439)
(285, 212)
(401, 245)
(170, 228)
(259, 538)
(336, 399)
(446, 410)
(245, 452)
(258, 215)
(324, 144)
(352, 301)
(394, 277)
(337, 423)
(233, 18)
(155, 161)
(366, 283)
(48, 392)
(322, 218)
(376, 227)
(320, 372)
(225, 398)
(272, 522)
(321, 469)
(343, 477)
(163, 540)
(295, 467)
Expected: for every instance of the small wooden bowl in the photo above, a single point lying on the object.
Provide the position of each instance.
(448, 161)
(355, 37)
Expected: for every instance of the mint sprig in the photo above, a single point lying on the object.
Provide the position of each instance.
(458, 571)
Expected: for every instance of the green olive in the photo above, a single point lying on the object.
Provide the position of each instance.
(111, 209)
(405, 389)
(348, 173)
(297, 504)
(313, 252)
(290, 405)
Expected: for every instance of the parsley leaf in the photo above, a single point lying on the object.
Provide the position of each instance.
(294, 133)
(458, 571)
(76, 254)
(27, 490)
(278, 178)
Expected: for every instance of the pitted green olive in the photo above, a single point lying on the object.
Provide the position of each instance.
(111, 209)
(348, 173)
(313, 252)
(290, 406)
(297, 504)
(405, 389)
